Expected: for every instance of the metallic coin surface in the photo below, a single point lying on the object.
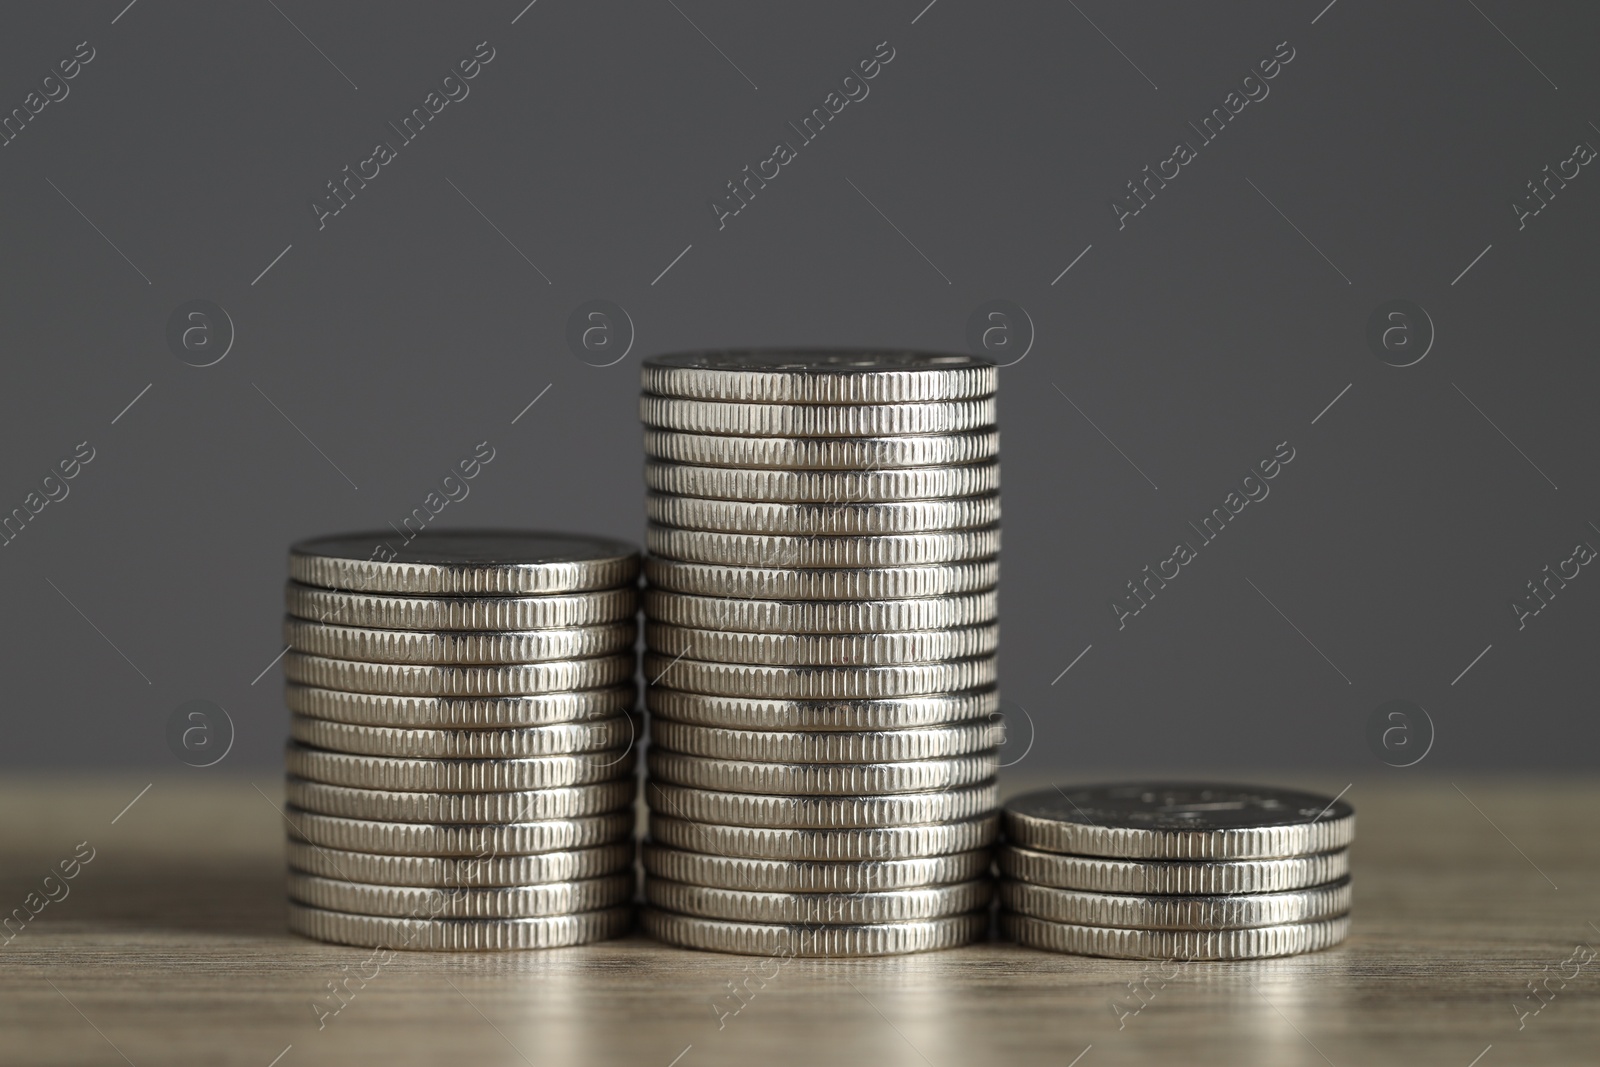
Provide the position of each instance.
(456, 776)
(819, 683)
(567, 738)
(832, 779)
(1176, 912)
(879, 843)
(459, 613)
(818, 616)
(459, 935)
(806, 876)
(819, 376)
(799, 520)
(479, 842)
(823, 650)
(769, 550)
(820, 812)
(407, 679)
(1261, 942)
(458, 902)
(825, 487)
(791, 420)
(827, 746)
(457, 646)
(1190, 877)
(771, 939)
(821, 583)
(753, 713)
(451, 713)
(882, 906)
(528, 805)
(441, 871)
(1179, 820)
(822, 453)
(464, 562)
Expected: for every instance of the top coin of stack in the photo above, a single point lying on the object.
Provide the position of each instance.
(461, 770)
(821, 630)
(1176, 871)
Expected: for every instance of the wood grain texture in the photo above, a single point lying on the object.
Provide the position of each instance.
(169, 948)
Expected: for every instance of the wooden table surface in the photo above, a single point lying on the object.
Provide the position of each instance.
(169, 947)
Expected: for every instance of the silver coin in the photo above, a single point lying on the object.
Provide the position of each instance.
(456, 776)
(770, 550)
(527, 805)
(407, 679)
(819, 376)
(443, 872)
(464, 562)
(822, 583)
(827, 746)
(772, 939)
(822, 453)
(833, 779)
(459, 613)
(816, 420)
(825, 487)
(369, 709)
(798, 520)
(819, 683)
(885, 906)
(821, 812)
(893, 714)
(875, 843)
(1189, 877)
(457, 902)
(1179, 820)
(457, 646)
(818, 616)
(805, 876)
(1174, 912)
(460, 935)
(478, 842)
(823, 650)
(1261, 942)
(560, 739)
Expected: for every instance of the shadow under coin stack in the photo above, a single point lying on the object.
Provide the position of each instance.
(461, 769)
(821, 631)
(1176, 871)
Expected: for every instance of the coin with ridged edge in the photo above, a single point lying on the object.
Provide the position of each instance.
(449, 713)
(822, 453)
(798, 520)
(480, 842)
(832, 779)
(1194, 877)
(772, 939)
(464, 562)
(455, 776)
(827, 487)
(823, 650)
(819, 376)
(1176, 912)
(460, 935)
(459, 613)
(527, 805)
(827, 746)
(1261, 942)
(759, 714)
(807, 876)
(822, 583)
(819, 683)
(771, 550)
(457, 646)
(829, 909)
(820, 616)
(876, 843)
(1179, 820)
(792, 420)
(821, 812)
(444, 872)
(567, 738)
(462, 902)
(408, 679)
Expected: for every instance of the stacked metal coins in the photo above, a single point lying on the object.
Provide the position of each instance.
(1176, 871)
(461, 769)
(821, 631)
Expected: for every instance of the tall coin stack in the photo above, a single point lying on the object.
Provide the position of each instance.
(461, 769)
(821, 631)
(1176, 871)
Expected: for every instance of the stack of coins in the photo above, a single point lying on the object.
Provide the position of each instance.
(1176, 871)
(461, 769)
(821, 629)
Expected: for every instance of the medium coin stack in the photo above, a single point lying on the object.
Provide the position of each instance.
(821, 629)
(461, 762)
(1176, 871)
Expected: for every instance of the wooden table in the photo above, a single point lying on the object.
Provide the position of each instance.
(169, 948)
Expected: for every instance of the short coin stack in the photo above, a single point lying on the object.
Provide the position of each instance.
(821, 630)
(1176, 871)
(461, 769)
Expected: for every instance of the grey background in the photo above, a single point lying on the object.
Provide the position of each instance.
(1200, 336)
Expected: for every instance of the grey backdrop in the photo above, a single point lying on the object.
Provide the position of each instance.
(1177, 352)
